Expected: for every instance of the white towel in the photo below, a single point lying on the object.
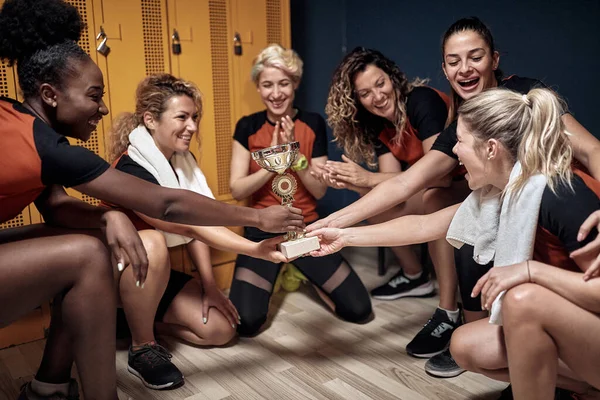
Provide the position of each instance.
(504, 232)
(184, 173)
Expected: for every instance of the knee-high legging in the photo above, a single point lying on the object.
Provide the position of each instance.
(254, 280)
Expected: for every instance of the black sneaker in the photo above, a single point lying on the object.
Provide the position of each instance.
(152, 364)
(28, 394)
(434, 338)
(400, 286)
(443, 366)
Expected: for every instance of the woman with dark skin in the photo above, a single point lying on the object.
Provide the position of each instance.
(62, 90)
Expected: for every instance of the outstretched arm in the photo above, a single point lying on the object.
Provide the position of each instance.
(223, 239)
(429, 169)
(183, 206)
(409, 229)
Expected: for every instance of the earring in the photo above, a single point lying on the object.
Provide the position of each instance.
(53, 104)
(489, 157)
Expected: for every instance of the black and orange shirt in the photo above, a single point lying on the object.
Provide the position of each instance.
(446, 141)
(34, 156)
(255, 132)
(426, 111)
(560, 218)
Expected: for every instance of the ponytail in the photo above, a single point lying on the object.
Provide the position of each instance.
(528, 126)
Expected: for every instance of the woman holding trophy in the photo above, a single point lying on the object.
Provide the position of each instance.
(277, 73)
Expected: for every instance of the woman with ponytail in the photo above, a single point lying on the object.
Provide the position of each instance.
(524, 215)
(153, 144)
(471, 63)
(69, 258)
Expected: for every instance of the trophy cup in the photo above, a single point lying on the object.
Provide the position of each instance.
(278, 159)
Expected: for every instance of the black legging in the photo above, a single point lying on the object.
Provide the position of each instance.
(351, 299)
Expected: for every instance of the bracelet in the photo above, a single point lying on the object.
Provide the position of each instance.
(300, 164)
(528, 271)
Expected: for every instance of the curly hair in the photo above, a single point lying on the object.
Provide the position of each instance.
(41, 36)
(354, 128)
(151, 96)
(473, 24)
(287, 60)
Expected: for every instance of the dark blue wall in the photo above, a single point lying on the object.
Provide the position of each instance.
(557, 42)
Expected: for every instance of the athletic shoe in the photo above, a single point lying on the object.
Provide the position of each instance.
(400, 286)
(443, 366)
(434, 338)
(152, 364)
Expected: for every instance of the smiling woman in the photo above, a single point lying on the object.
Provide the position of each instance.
(153, 144)
(70, 257)
(276, 73)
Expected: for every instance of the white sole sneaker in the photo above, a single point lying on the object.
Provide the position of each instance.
(425, 290)
(149, 385)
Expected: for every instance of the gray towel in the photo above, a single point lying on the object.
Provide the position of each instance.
(184, 173)
(502, 231)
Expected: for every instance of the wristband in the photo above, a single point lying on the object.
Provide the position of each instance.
(300, 164)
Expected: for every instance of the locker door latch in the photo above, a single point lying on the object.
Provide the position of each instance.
(237, 44)
(176, 44)
(102, 48)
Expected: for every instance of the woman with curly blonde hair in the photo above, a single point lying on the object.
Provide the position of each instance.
(153, 144)
(277, 73)
(380, 118)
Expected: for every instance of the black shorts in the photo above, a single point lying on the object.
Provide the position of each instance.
(468, 273)
(177, 281)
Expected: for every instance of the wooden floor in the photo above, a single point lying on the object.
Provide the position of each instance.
(305, 353)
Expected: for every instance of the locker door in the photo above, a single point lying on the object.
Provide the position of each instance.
(124, 66)
(259, 23)
(202, 29)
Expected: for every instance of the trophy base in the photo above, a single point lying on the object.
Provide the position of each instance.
(298, 247)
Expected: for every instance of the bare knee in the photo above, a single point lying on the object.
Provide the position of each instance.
(156, 248)
(157, 252)
(520, 304)
(93, 259)
(461, 348)
(217, 331)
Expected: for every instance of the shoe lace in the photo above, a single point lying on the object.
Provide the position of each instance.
(431, 325)
(155, 354)
(398, 279)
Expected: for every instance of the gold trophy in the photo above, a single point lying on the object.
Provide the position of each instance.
(278, 159)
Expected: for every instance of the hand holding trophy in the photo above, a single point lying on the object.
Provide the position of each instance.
(278, 159)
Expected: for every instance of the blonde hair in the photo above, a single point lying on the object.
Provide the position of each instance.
(275, 56)
(354, 128)
(152, 95)
(529, 126)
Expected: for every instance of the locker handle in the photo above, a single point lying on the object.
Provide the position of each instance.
(237, 44)
(175, 43)
(102, 48)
